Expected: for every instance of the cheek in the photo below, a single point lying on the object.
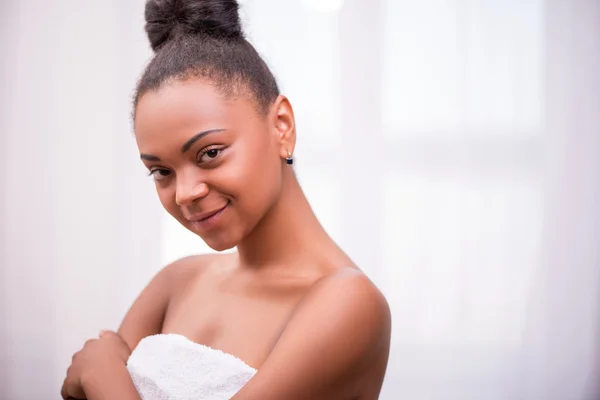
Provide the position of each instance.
(261, 183)
(253, 179)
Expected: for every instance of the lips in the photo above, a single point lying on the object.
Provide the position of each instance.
(206, 215)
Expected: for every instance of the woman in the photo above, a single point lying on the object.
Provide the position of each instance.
(288, 316)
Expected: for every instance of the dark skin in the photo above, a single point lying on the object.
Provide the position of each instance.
(314, 326)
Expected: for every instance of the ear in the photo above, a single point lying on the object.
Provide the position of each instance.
(285, 126)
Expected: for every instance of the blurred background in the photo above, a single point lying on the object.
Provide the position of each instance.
(452, 147)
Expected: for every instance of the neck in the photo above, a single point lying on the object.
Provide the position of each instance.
(288, 234)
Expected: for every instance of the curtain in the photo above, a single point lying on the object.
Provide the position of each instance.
(452, 147)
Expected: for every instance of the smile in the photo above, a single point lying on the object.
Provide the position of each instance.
(208, 220)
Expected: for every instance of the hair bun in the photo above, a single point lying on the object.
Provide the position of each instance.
(166, 19)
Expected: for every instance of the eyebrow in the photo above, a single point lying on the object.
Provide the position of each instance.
(197, 137)
(149, 157)
(186, 146)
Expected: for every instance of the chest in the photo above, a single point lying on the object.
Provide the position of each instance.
(236, 317)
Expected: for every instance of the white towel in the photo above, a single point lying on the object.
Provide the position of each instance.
(172, 367)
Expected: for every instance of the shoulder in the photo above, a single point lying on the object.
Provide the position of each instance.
(349, 287)
(349, 295)
(336, 335)
(180, 272)
(351, 302)
(352, 314)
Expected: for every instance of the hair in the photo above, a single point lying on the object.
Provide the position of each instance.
(204, 38)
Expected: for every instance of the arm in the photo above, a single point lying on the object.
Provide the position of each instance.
(337, 333)
(99, 370)
(113, 384)
(144, 318)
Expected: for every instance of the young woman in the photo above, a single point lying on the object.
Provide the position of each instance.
(288, 316)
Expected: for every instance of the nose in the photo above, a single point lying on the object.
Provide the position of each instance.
(189, 190)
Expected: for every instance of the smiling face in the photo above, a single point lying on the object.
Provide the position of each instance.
(217, 161)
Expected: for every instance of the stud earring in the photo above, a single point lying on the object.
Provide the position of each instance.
(289, 160)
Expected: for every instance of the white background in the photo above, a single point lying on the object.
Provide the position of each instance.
(452, 147)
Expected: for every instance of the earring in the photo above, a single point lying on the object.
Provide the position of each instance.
(289, 160)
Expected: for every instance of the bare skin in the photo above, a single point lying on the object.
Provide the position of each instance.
(289, 302)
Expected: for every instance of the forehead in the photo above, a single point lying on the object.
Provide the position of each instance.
(190, 105)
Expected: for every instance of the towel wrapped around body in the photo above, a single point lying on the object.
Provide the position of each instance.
(172, 367)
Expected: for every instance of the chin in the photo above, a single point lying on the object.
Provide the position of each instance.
(220, 243)
(220, 246)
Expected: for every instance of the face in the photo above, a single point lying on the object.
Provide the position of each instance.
(217, 162)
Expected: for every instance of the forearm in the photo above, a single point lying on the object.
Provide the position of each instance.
(110, 384)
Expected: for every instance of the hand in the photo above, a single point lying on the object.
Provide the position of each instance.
(96, 359)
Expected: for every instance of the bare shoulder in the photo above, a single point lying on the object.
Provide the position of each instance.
(146, 316)
(353, 303)
(350, 288)
(182, 271)
(335, 346)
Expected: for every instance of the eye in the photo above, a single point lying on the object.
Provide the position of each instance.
(159, 173)
(209, 154)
